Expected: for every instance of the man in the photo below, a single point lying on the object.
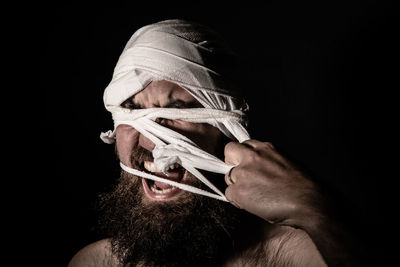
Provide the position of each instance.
(176, 109)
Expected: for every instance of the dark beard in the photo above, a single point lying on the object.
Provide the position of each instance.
(190, 231)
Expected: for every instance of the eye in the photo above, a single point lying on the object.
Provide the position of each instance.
(161, 121)
(129, 104)
(182, 104)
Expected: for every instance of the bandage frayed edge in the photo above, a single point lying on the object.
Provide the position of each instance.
(108, 137)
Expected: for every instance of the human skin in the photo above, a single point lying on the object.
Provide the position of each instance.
(268, 185)
(284, 240)
(165, 94)
(288, 208)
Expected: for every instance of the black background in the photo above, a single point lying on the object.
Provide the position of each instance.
(319, 77)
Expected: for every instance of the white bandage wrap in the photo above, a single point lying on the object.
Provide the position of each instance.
(158, 52)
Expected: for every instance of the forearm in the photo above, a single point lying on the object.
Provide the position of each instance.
(334, 227)
(335, 242)
(268, 185)
(331, 225)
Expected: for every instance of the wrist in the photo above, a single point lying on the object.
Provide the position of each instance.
(307, 220)
(311, 214)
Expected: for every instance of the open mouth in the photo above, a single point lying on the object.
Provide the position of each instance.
(158, 190)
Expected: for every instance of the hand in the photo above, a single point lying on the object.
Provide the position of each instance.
(268, 185)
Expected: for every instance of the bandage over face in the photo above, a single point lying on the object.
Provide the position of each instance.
(196, 59)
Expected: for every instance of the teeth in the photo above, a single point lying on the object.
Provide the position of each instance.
(173, 166)
(161, 191)
(150, 166)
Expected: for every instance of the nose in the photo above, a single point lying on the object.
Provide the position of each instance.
(130, 137)
(145, 142)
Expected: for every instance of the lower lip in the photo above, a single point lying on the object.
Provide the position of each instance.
(156, 196)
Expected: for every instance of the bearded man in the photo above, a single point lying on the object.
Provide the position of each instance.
(176, 111)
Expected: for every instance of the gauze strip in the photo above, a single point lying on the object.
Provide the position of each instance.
(196, 59)
(172, 147)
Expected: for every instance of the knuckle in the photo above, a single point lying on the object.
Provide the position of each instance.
(228, 147)
(241, 192)
(235, 192)
(269, 145)
(238, 173)
(252, 155)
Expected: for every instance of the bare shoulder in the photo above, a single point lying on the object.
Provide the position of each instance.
(96, 254)
(282, 246)
(293, 247)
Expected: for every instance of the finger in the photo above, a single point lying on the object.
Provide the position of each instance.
(257, 144)
(234, 153)
(229, 180)
(252, 143)
(230, 193)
